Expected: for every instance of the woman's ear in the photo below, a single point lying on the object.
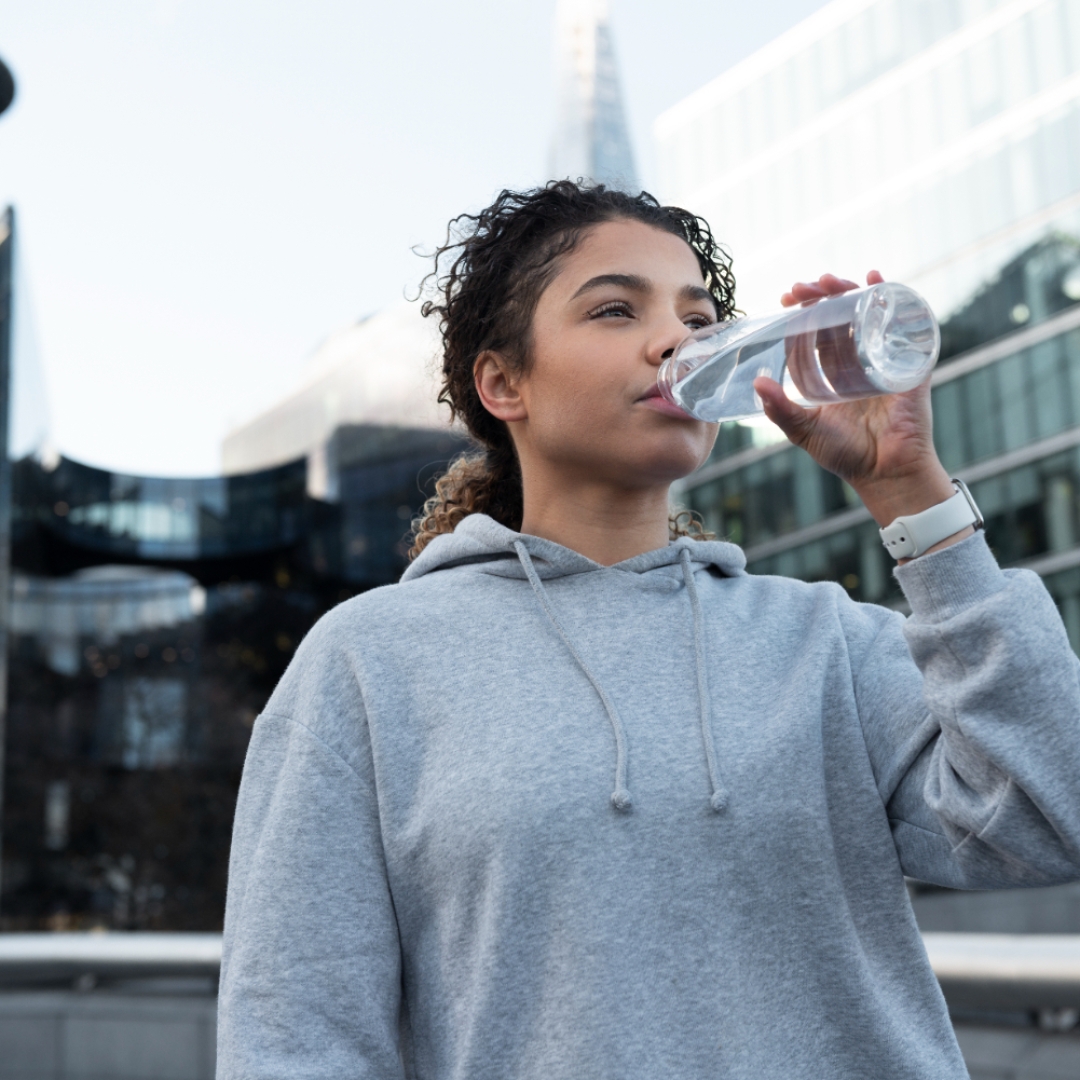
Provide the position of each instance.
(497, 388)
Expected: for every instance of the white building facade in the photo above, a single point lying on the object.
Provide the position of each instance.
(939, 142)
(932, 139)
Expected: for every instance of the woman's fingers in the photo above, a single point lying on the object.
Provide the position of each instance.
(833, 284)
(806, 292)
(802, 292)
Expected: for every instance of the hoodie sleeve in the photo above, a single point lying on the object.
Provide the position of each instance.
(975, 746)
(311, 969)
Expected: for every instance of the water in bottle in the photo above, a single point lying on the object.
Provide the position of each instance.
(883, 339)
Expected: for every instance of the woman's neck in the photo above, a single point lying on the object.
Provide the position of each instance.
(604, 524)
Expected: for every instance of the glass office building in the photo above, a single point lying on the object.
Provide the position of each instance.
(933, 139)
(938, 140)
(1006, 421)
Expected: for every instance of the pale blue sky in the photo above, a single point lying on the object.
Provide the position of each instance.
(206, 189)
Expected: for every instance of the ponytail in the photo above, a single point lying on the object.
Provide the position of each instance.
(487, 483)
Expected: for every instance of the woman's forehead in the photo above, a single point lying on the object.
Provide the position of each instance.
(630, 248)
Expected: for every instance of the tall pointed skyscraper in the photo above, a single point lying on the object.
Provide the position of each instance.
(591, 137)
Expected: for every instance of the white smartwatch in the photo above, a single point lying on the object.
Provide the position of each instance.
(909, 536)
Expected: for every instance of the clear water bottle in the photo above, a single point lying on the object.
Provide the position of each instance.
(879, 340)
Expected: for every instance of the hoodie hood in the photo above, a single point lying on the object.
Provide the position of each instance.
(482, 541)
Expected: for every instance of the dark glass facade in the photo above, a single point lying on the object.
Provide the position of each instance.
(150, 620)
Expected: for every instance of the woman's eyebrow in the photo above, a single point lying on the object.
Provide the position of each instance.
(637, 283)
(696, 292)
(633, 282)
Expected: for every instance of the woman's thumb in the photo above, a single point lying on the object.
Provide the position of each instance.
(793, 420)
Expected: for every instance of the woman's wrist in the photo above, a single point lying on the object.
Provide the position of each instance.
(888, 498)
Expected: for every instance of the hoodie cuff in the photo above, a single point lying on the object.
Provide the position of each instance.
(944, 583)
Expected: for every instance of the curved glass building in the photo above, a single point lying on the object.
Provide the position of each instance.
(150, 619)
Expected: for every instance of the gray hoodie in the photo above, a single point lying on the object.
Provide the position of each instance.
(526, 817)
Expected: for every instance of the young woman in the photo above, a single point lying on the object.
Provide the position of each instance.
(579, 799)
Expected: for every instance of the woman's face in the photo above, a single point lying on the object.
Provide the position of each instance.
(622, 301)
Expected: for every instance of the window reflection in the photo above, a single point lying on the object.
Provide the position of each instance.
(144, 721)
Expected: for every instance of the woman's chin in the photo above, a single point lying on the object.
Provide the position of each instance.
(633, 457)
(686, 448)
(670, 461)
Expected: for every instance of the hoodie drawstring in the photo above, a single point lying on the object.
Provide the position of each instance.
(620, 797)
(718, 801)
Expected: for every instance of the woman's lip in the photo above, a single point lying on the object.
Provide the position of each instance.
(662, 405)
(655, 400)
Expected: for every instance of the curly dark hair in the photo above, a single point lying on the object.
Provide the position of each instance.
(500, 261)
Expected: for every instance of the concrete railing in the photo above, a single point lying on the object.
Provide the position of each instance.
(1007, 971)
(139, 1006)
(28, 959)
(157, 1014)
(1003, 971)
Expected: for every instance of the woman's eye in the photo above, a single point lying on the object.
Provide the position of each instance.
(616, 307)
(698, 321)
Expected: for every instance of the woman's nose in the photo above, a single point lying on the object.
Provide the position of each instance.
(666, 342)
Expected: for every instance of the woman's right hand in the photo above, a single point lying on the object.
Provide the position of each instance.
(882, 446)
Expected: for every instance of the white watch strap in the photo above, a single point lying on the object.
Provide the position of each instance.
(909, 536)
